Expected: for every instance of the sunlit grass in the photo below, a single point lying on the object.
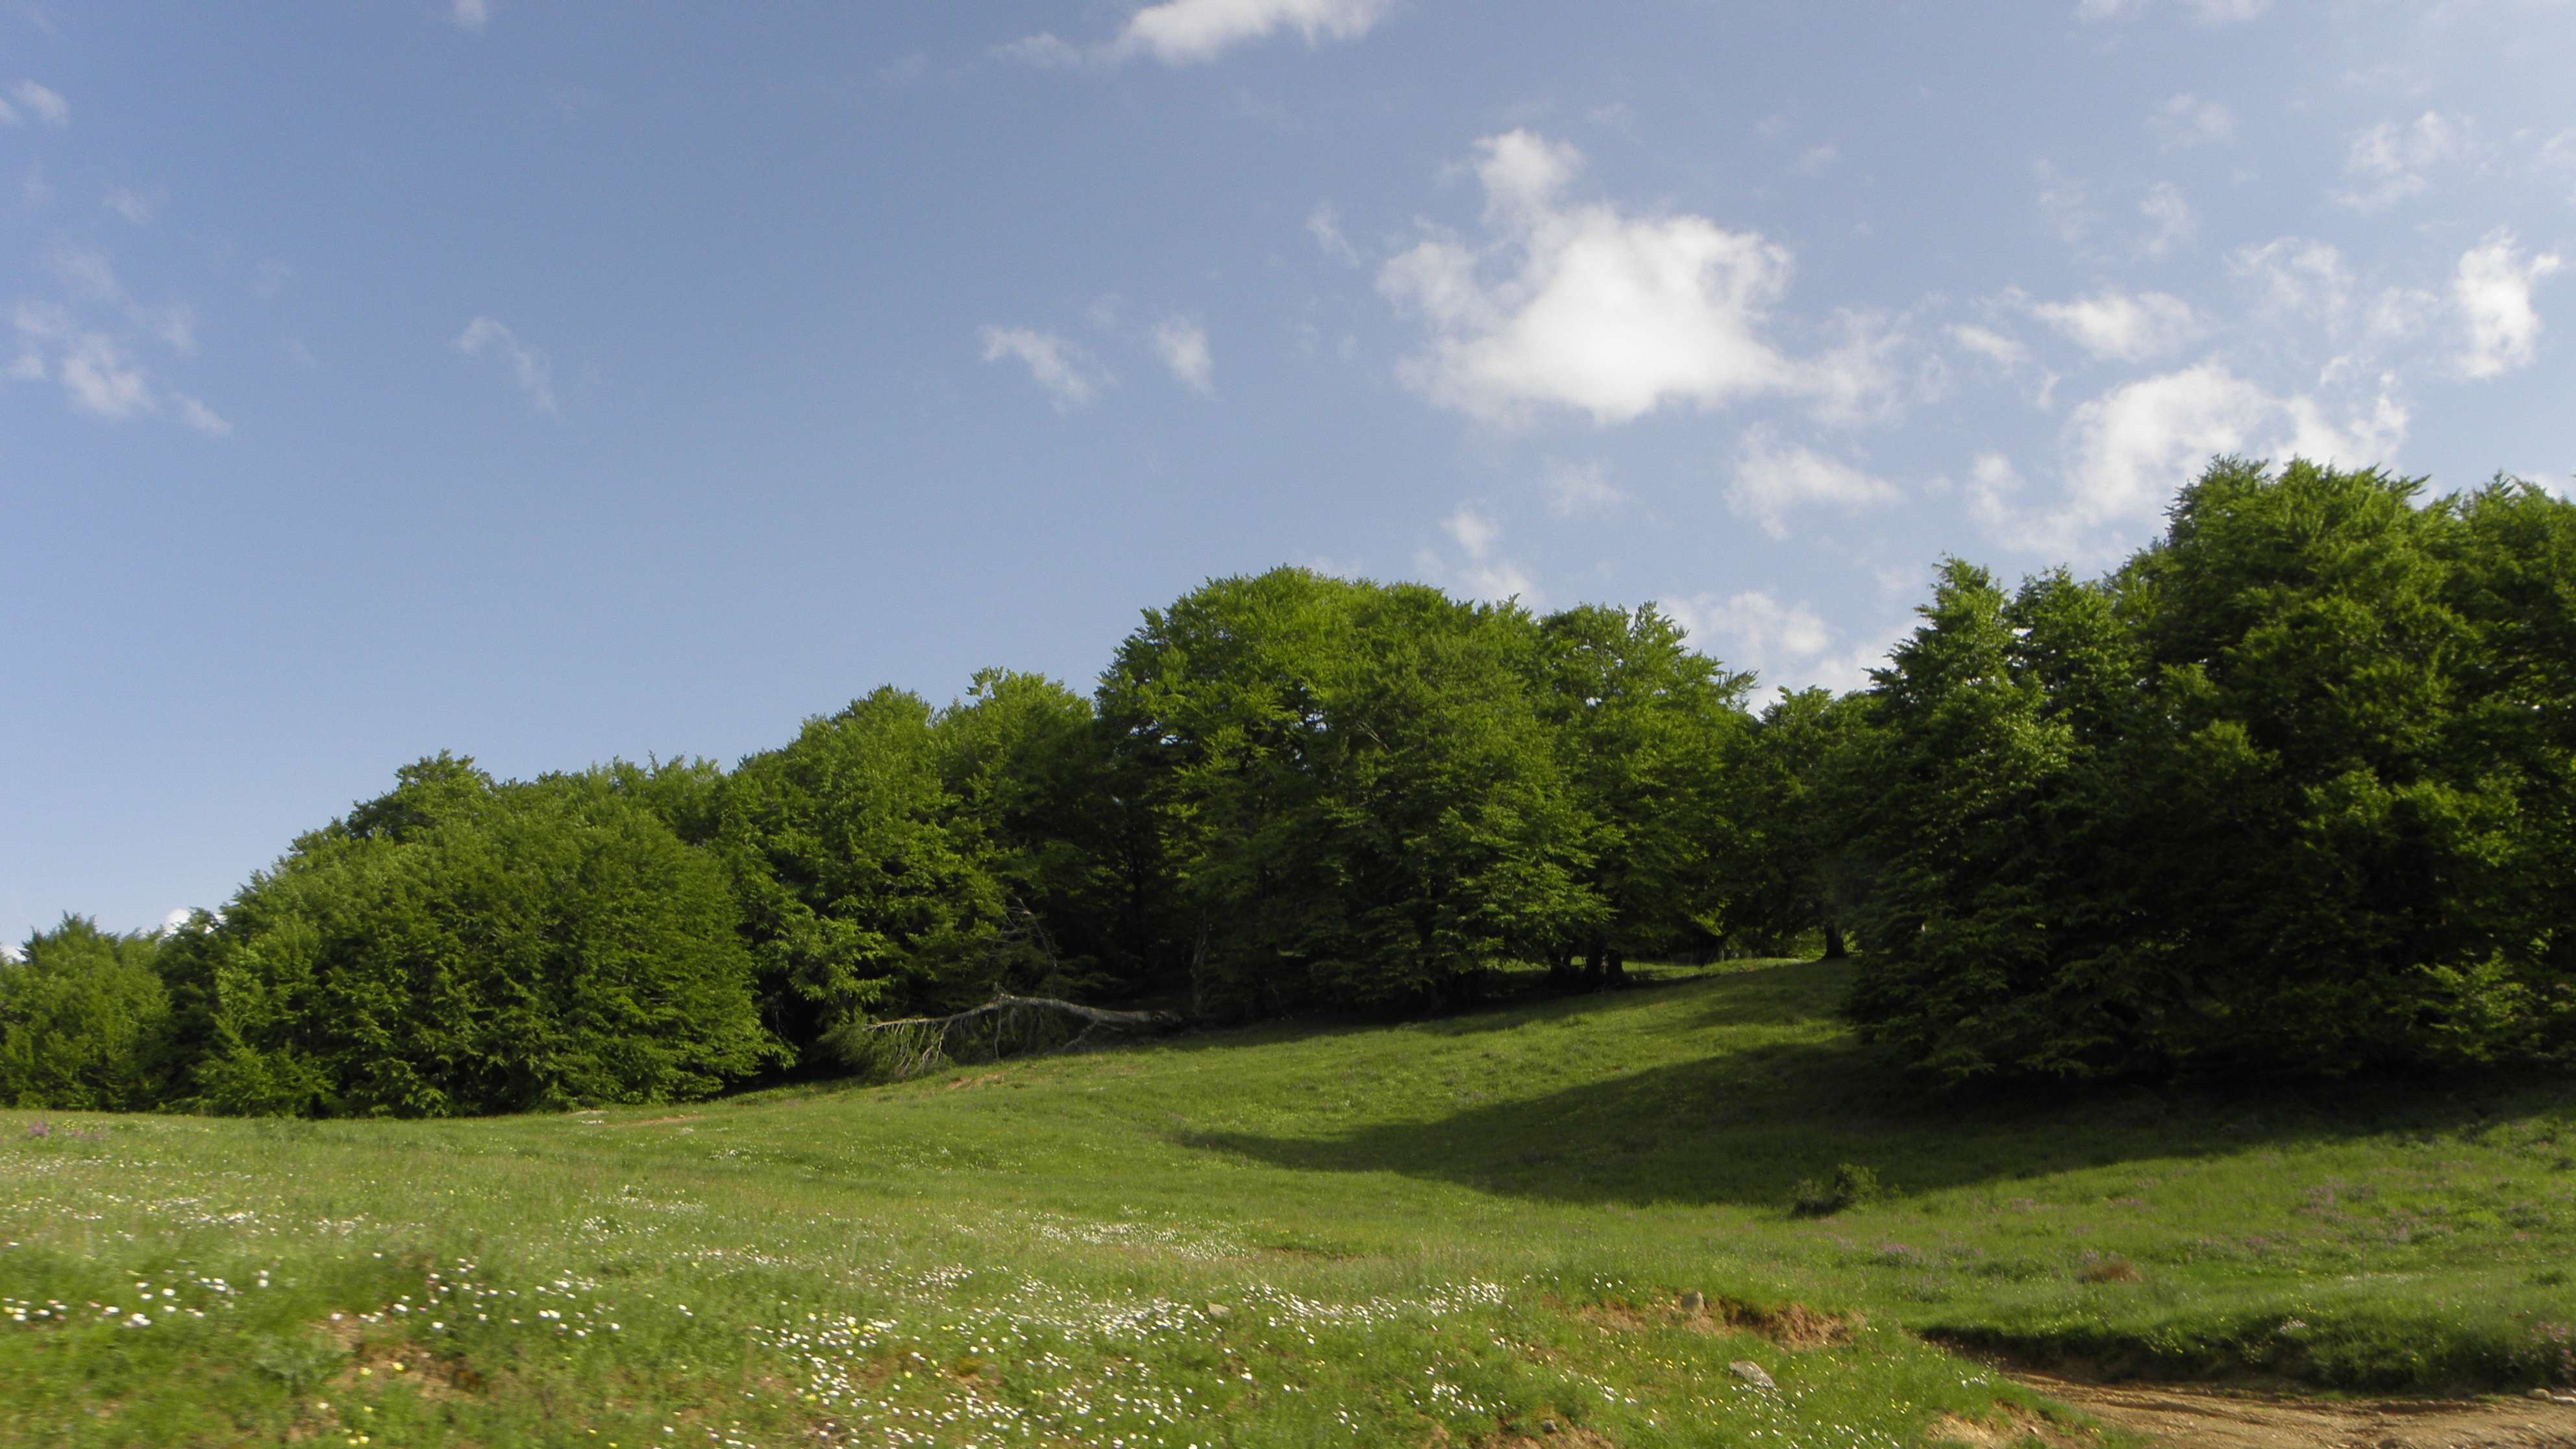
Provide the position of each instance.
(1457, 1230)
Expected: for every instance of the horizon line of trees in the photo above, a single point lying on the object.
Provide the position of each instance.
(2293, 789)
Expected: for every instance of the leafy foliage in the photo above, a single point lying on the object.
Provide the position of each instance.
(459, 946)
(81, 1014)
(2286, 792)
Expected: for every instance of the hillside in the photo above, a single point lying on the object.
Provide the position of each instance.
(1464, 1231)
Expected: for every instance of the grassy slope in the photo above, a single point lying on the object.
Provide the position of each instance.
(1278, 1237)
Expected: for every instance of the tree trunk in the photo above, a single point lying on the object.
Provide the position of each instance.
(1834, 948)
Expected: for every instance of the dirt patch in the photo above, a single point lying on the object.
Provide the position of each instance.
(663, 1121)
(1566, 1437)
(1790, 1325)
(961, 1084)
(2019, 1428)
(376, 1363)
(2202, 1417)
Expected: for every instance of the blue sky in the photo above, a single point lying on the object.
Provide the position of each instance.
(556, 381)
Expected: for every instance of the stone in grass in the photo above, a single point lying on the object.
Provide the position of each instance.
(1751, 1372)
(1219, 1311)
(1694, 1303)
(2547, 1397)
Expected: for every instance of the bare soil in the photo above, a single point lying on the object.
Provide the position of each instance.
(2197, 1416)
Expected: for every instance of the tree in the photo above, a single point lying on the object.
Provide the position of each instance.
(1644, 729)
(81, 1011)
(1952, 774)
(1787, 872)
(859, 890)
(1357, 801)
(460, 946)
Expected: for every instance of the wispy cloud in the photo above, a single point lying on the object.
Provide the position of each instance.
(1324, 224)
(1773, 478)
(2123, 326)
(1182, 344)
(43, 103)
(1070, 376)
(2492, 289)
(527, 365)
(2388, 163)
(1187, 32)
(2188, 120)
(470, 15)
(1485, 572)
(1576, 489)
(130, 204)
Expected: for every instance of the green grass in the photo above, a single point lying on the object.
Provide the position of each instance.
(1441, 1233)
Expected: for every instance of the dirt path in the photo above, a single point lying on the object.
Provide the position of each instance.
(2189, 1416)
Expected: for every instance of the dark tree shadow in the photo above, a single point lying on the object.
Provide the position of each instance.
(1742, 1127)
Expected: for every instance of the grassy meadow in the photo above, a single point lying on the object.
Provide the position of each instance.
(1470, 1231)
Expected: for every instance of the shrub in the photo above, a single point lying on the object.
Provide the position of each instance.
(1850, 1185)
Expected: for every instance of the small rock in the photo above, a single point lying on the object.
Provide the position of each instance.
(1752, 1373)
(1694, 1303)
(1547, 1426)
(2544, 1395)
(1219, 1310)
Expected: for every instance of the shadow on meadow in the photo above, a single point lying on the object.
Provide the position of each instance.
(1742, 1125)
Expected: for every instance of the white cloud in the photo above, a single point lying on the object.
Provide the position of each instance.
(2385, 164)
(1485, 574)
(528, 366)
(2066, 203)
(2206, 12)
(1575, 489)
(1068, 373)
(2492, 290)
(2125, 452)
(2169, 219)
(201, 417)
(1183, 346)
(1772, 478)
(1186, 32)
(2293, 278)
(2188, 120)
(89, 277)
(102, 381)
(2123, 326)
(98, 376)
(1179, 32)
(470, 14)
(1324, 224)
(1989, 344)
(1602, 312)
(134, 206)
(1475, 533)
(1043, 51)
(1817, 160)
(44, 103)
(1787, 644)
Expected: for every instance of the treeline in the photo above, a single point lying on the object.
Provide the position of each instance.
(2294, 789)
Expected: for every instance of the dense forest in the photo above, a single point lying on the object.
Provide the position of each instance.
(2292, 790)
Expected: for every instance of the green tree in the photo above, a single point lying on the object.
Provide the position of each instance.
(861, 891)
(460, 946)
(81, 1011)
(1357, 800)
(1947, 783)
(1645, 729)
(1787, 872)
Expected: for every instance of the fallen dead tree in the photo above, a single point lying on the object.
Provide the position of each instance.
(1006, 1026)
